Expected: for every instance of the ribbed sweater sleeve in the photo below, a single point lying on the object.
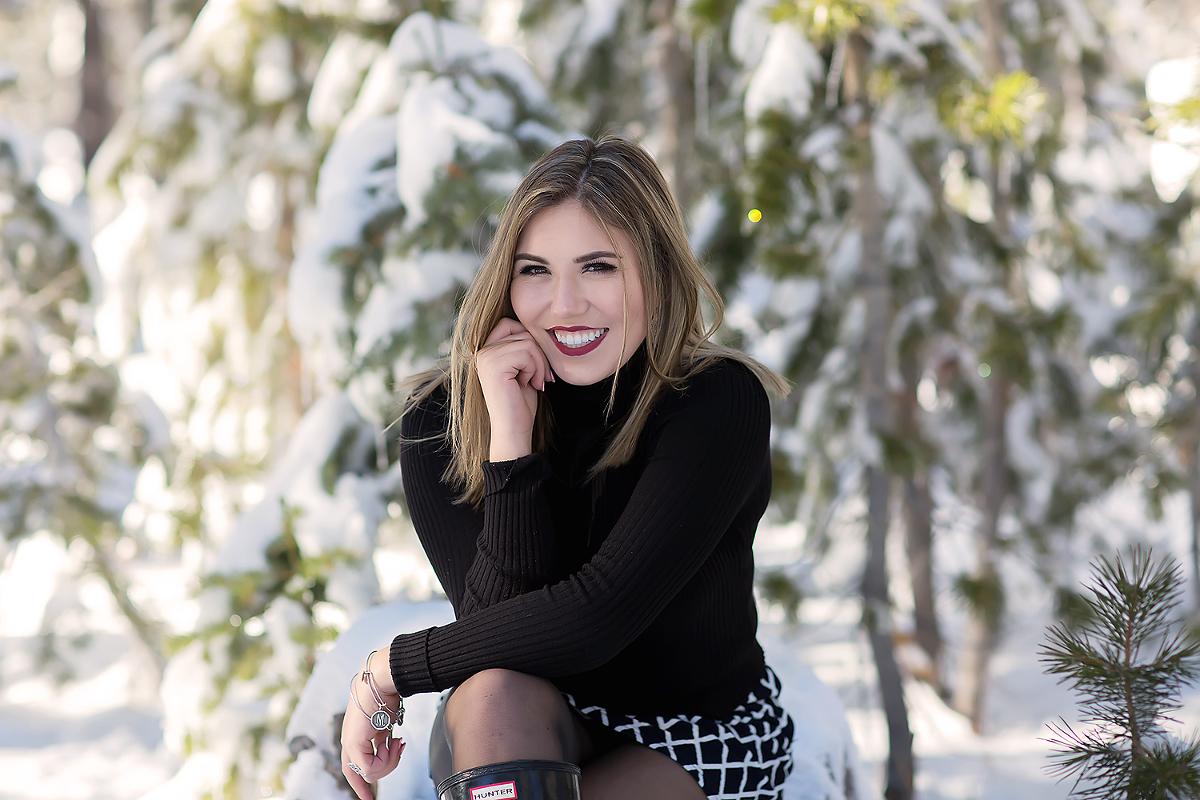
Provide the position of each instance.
(481, 558)
(515, 551)
(708, 449)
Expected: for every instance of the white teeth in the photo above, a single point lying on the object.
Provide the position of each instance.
(579, 338)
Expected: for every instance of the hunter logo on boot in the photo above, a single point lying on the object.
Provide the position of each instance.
(495, 791)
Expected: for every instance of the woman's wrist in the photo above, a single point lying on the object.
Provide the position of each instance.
(379, 663)
(509, 448)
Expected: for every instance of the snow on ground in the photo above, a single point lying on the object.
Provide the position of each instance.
(953, 763)
(97, 735)
(94, 737)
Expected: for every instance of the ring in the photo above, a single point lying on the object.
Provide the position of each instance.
(357, 770)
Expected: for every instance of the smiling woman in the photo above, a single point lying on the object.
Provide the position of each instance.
(586, 475)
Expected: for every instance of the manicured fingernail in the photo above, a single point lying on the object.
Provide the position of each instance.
(387, 743)
(543, 386)
(552, 378)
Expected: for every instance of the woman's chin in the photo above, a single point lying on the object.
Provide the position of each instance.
(581, 370)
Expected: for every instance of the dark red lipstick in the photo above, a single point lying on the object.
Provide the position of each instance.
(576, 351)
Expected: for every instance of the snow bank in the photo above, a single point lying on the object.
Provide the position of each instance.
(827, 764)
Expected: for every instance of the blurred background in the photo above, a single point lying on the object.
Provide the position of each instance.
(966, 231)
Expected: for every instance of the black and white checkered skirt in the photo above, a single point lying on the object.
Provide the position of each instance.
(745, 757)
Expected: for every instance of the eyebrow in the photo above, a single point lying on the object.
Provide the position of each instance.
(581, 259)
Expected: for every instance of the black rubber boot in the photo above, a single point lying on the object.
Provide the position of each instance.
(514, 780)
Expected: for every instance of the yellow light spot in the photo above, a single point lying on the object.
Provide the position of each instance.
(985, 369)
(755, 215)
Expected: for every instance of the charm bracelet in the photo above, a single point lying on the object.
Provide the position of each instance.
(381, 720)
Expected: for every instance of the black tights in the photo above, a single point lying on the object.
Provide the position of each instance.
(501, 715)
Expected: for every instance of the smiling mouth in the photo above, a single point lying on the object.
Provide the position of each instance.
(577, 343)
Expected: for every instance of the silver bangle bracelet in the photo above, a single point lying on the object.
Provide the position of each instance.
(381, 720)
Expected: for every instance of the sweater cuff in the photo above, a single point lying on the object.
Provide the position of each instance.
(526, 472)
(409, 663)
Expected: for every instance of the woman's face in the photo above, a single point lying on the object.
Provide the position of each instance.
(574, 294)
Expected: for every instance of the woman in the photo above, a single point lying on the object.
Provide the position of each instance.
(586, 478)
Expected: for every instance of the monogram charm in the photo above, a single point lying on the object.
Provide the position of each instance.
(380, 720)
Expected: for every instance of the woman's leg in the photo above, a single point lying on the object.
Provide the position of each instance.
(501, 715)
(635, 772)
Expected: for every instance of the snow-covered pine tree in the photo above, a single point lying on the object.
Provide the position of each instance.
(1156, 376)
(662, 72)
(1073, 214)
(971, 297)
(1128, 661)
(69, 440)
(826, 175)
(428, 145)
(200, 193)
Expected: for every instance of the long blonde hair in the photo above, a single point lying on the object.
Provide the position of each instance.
(619, 184)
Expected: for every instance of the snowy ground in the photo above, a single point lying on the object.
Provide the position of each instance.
(97, 734)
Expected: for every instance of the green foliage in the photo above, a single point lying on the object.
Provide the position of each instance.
(778, 589)
(984, 596)
(1128, 660)
(828, 21)
(998, 112)
(1071, 608)
(712, 14)
(1008, 351)
(1185, 112)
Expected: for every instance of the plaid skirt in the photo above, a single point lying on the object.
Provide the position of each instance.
(745, 757)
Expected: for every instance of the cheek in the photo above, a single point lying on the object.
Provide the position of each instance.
(520, 300)
(636, 307)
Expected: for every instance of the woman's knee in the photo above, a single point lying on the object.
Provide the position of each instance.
(503, 693)
(508, 714)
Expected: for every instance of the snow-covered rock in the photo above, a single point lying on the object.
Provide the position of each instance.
(827, 764)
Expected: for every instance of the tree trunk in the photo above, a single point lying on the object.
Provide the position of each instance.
(985, 607)
(877, 621)
(918, 523)
(1194, 486)
(876, 288)
(677, 117)
(1194, 452)
(145, 15)
(288, 402)
(95, 117)
(985, 611)
(147, 631)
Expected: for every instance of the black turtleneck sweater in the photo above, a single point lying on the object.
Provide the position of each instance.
(633, 590)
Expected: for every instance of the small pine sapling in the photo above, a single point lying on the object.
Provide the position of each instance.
(1129, 660)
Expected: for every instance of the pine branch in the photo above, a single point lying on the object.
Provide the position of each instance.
(1129, 663)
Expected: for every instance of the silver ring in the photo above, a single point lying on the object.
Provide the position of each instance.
(357, 770)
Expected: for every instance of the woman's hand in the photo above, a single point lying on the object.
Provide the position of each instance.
(373, 752)
(512, 368)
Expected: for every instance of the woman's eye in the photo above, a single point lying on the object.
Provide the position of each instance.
(531, 269)
(599, 266)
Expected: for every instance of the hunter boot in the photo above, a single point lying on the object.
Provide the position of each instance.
(514, 780)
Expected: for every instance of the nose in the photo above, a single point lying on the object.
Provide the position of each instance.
(569, 299)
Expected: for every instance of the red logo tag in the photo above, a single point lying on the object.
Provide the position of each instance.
(495, 791)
